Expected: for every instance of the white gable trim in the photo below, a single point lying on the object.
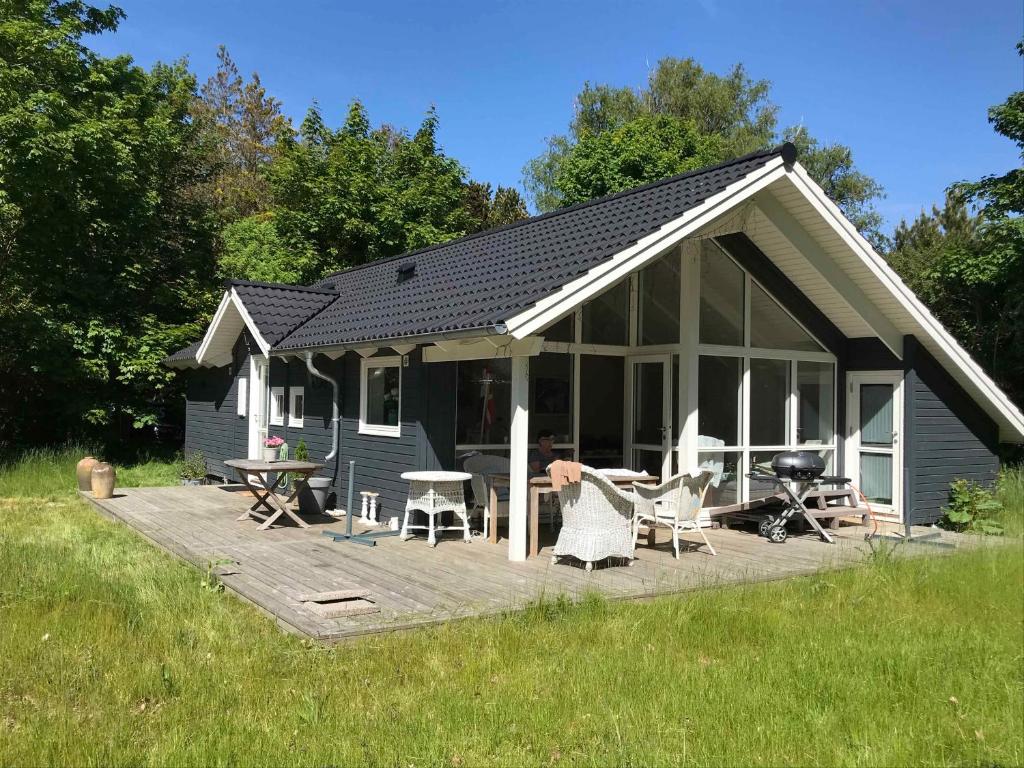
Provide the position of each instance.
(609, 272)
(922, 317)
(229, 312)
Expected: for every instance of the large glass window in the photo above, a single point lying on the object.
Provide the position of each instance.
(381, 396)
(659, 301)
(563, 330)
(718, 401)
(816, 414)
(606, 317)
(769, 402)
(721, 298)
(551, 396)
(484, 402)
(601, 410)
(771, 327)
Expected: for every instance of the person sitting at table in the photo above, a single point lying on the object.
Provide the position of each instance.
(544, 453)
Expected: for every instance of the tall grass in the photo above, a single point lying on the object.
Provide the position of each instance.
(112, 654)
(1010, 492)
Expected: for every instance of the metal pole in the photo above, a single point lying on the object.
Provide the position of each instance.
(348, 507)
(369, 538)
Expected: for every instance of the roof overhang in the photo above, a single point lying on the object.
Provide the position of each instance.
(231, 318)
(842, 267)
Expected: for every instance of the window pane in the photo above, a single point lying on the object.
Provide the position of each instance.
(771, 327)
(483, 394)
(725, 481)
(718, 401)
(721, 298)
(876, 477)
(382, 395)
(648, 402)
(769, 402)
(605, 318)
(297, 405)
(563, 330)
(659, 301)
(876, 414)
(551, 396)
(601, 410)
(815, 384)
(761, 461)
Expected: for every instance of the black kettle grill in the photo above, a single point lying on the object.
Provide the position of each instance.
(803, 466)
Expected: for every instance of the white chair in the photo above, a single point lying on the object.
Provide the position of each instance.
(596, 520)
(674, 504)
(481, 467)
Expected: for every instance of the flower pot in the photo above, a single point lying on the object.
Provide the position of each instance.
(271, 454)
(84, 472)
(313, 496)
(102, 480)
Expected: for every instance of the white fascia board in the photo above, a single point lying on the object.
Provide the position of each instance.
(920, 314)
(229, 301)
(609, 272)
(484, 349)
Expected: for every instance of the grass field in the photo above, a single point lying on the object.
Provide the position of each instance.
(112, 653)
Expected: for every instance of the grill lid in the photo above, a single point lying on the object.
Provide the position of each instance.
(798, 465)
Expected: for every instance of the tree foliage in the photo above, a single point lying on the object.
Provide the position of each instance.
(106, 245)
(733, 115)
(969, 267)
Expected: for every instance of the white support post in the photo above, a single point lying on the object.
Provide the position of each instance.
(688, 358)
(519, 470)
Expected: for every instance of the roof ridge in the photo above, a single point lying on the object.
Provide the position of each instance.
(559, 211)
(283, 286)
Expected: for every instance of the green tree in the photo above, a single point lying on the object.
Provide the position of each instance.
(487, 208)
(106, 243)
(733, 108)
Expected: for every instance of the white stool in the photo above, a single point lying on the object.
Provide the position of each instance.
(368, 511)
(433, 493)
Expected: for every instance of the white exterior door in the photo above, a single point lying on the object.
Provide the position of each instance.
(649, 406)
(874, 458)
(258, 411)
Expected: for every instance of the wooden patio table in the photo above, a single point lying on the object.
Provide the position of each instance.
(248, 468)
(542, 485)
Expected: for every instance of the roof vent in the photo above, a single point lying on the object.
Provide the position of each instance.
(406, 270)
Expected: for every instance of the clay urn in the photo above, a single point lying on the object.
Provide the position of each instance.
(84, 472)
(103, 477)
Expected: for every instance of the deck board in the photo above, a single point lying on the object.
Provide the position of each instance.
(414, 585)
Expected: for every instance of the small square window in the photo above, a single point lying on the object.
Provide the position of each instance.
(297, 402)
(380, 396)
(277, 406)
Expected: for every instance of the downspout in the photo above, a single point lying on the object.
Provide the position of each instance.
(335, 417)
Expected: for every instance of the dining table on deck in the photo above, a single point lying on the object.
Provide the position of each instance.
(255, 474)
(541, 486)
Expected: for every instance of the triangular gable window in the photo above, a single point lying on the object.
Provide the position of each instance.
(771, 327)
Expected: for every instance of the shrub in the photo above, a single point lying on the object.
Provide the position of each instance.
(301, 451)
(192, 466)
(972, 508)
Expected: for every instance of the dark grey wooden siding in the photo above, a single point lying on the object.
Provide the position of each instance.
(946, 436)
(212, 423)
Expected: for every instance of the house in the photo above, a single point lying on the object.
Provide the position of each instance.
(714, 318)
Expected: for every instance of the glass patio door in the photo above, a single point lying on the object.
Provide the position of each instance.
(873, 450)
(649, 403)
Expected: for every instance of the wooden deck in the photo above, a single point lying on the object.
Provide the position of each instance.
(414, 585)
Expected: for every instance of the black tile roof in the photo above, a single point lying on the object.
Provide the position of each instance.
(184, 355)
(484, 279)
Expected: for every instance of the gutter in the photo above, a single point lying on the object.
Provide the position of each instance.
(494, 329)
(335, 415)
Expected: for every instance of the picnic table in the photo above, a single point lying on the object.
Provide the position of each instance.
(263, 488)
(541, 485)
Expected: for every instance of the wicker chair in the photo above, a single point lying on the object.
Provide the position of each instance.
(674, 504)
(596, 520)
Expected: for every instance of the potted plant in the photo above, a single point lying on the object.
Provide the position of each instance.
(192, 468)
(272, 447)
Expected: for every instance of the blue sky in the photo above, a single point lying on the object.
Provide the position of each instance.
(905, 84)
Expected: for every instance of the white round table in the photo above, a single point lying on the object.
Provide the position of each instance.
(433, 493)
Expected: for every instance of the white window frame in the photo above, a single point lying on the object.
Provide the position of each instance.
(293, 420)
(382, 430)
(276, 411)
(242, 406)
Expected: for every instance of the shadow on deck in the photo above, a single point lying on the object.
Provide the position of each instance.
(413, 585)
